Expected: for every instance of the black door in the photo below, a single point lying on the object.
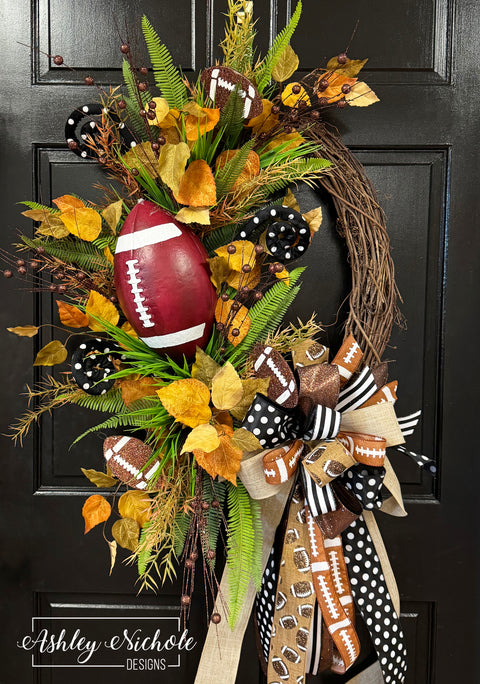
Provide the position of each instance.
(419, 146)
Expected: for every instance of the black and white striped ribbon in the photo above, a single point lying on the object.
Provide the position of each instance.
(314, 648)
(320, 499)
(323, 423)
(354, 394)
(409, 423)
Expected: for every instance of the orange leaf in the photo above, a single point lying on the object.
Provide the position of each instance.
(265, 121)
(68, 202)
(95, 510)
(238, 320)
(134, 389)
(71, 316)
(187, 401)
(335, 83)
(197, 185)
(249, 171)
(224, 460)
(201, 122)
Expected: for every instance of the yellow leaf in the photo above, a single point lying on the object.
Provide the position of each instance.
(351, 68)
(251, 387)
(53, 226)
(171, 164)
(314, 218)
(202, 437)
(137, 388)
(283, 275)
(199, 215)
(112, 215)
(125, 531)
(204, 368)
(227, 390)
(24, 330)
(99, 479)
(112, 545)
(95, 510)
(108, 254)
(136, 505)
(219, 271)
(84, 223)
(197, 185)
(142, 155)
(161, 110)
(101, 307)
(286, 65)
(265, 121)
(224, 460)
(244, 254)
(126, 327)
(187, 401)
(361, 95)
(292, 99)
(290, 201)
(71, 316)
(37, 214)
(51, 354)
(295, 141)
(245, 440)
(68, 202)
(233, 320)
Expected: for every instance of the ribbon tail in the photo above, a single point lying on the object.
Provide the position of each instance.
(374, 532)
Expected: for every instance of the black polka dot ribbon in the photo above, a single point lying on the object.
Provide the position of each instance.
(271, 423)
(370, 592)
(92, 365)
(366, 483)
(86, 119)
(286, 232)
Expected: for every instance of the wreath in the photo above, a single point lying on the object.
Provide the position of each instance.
(226, 429)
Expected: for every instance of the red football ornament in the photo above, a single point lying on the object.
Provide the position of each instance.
(163, 283)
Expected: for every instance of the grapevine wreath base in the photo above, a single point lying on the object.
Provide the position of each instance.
(225, 429)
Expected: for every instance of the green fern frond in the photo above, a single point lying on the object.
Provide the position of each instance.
(263, 72)
(77, 252)
(226, 176)
(111, 402)
(167, 77)
(144, 556)
(232, 119)
(240, 548)
(127, 419)
(218, 237)
(41, 207)
(131, 100)
(267, 314)
(181, 525)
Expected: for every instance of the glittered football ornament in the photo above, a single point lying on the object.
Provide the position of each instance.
(163, 283)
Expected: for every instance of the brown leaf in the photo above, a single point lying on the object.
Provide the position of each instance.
(137, 388)
(219, 271)
(187, 401)
(245, 440)
(237, 320)
(286, 65)
(53, 226)
(351, 68)
(84, 223)
(225, 460)
(125, 532)
(199, 215)
(314, 218)
(112, 545)
(292, 99)
(251, 386)
(204, 368)
(51, 354)
(202, 437)
(136, 505)
(101, 307)
(112, 215)
(37, 214)
(71, 316)
(227, 390)
(24, 330)
(197, 186)
(99, 479)
(171, 164)
(96, 510)
(361, 95)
